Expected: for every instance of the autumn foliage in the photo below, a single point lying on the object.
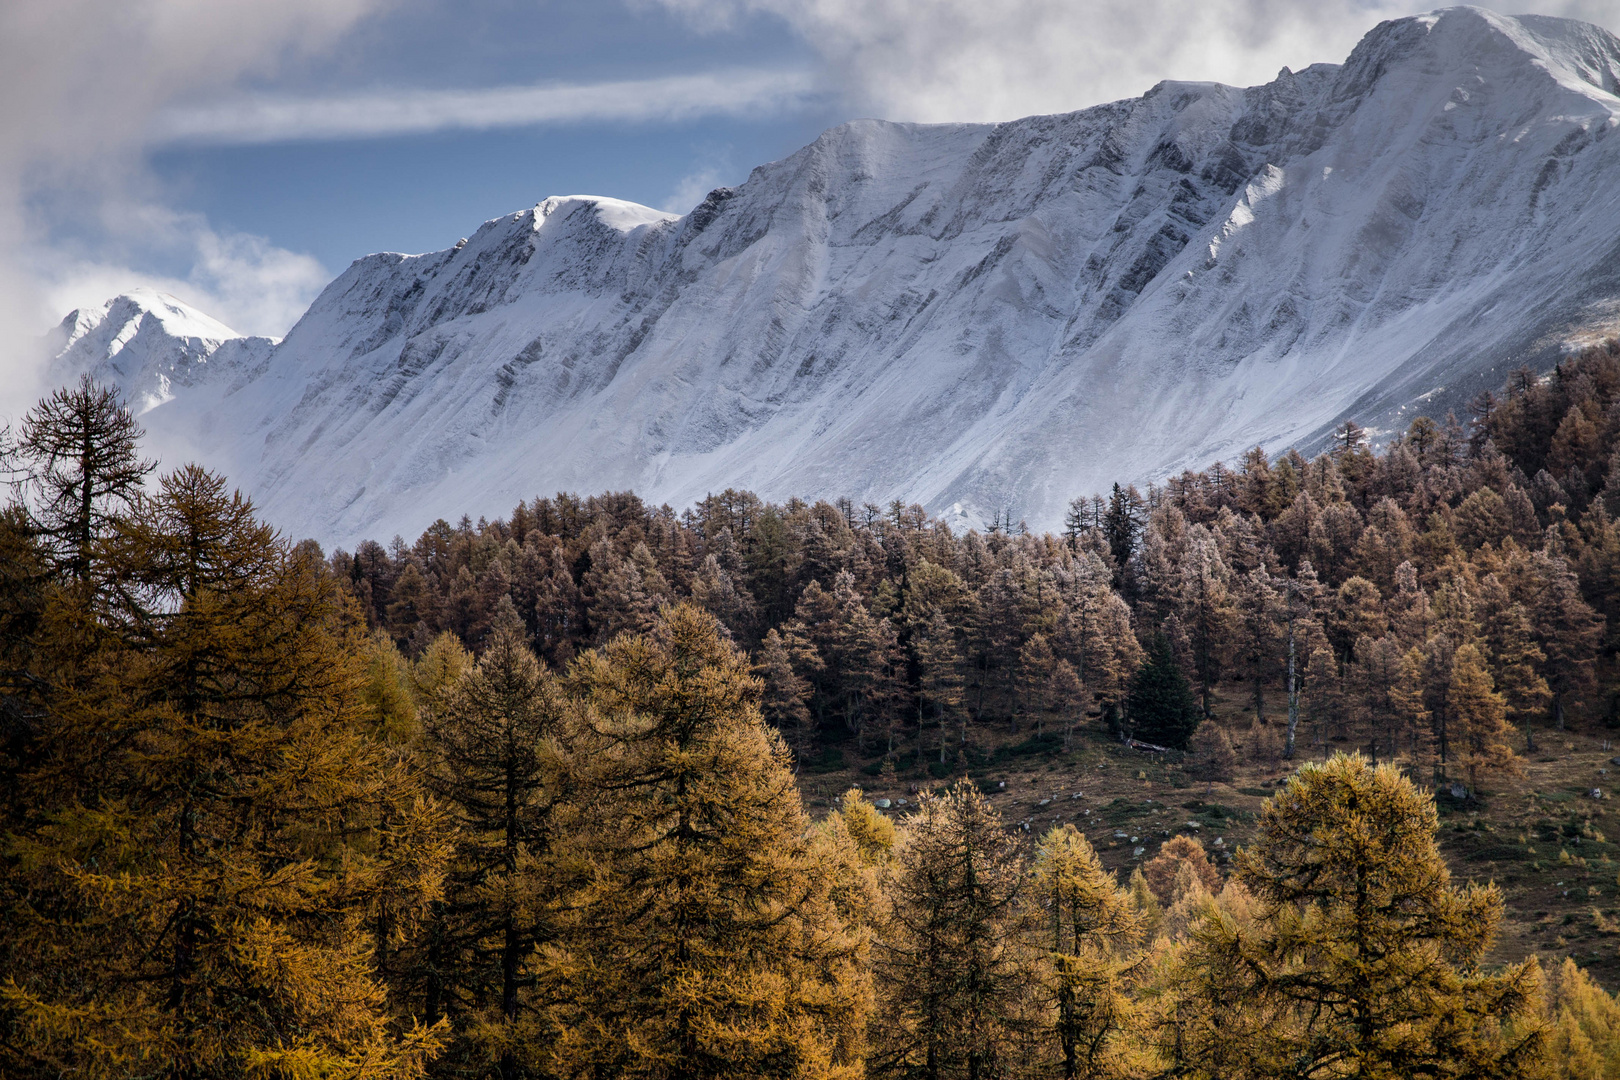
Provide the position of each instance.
(519, 800)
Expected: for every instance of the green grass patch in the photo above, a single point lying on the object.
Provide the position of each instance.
(831, 759)
(1122, 810)
(1034, 746)
(1493, 851)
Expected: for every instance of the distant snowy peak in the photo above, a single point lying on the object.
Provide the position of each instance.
(625, 217)
(149, 345)
(981, 318)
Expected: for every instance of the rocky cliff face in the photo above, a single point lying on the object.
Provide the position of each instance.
(974, 317)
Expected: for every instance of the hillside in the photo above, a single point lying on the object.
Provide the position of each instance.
(1451, 604)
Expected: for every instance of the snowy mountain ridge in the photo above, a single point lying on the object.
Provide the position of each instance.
(975, 317)
(151, 345)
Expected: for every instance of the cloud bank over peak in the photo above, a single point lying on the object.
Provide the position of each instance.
(966, 60)
(83, 80)
(246, 281)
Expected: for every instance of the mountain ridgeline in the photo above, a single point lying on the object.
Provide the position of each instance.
(972, 318)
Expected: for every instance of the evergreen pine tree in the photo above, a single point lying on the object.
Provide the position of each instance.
(1122, 526)
(1161, 708)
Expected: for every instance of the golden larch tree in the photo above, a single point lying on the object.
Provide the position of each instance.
(1479, 727)
(705, 938)
(952, 960)
(1090, 930)
(203, 901)
(1364, 960)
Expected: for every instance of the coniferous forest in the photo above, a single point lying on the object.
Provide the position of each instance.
(547, 796)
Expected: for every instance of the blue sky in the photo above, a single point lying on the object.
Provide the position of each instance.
(239, 154)
(340, 198)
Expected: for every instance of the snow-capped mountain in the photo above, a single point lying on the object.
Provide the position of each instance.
(151, 346)
(974, 317)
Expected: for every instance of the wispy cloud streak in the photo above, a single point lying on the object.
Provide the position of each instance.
(267, 118)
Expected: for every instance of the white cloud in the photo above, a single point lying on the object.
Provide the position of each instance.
(242, 280)
(262, 118)
(940, 60)
(691, 190)
(81, 81)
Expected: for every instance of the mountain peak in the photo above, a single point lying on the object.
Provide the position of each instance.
(123, 315)
(616, 214)
(1476, 41)
(146, 343)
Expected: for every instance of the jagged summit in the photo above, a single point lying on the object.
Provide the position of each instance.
(149, 344)
(977, 317)
(125, 312)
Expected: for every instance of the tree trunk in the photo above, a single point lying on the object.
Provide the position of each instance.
(1293, 691)
(510, 945)
(509, 971)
